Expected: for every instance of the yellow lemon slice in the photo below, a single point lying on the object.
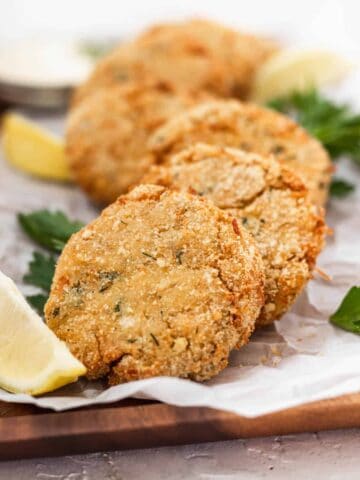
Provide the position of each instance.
(34, 150)
(32, 359)
(291, 70)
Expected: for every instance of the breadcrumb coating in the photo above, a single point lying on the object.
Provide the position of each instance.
(107, 135)
(230, 123)
(162, 283)
(266, 198)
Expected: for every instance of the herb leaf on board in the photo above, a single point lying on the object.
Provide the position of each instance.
(347, 316)
(334, 125)
(41, 271)
(37, 302)
(49, 229)
(341, 188)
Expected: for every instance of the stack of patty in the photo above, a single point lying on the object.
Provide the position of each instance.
(224, 228)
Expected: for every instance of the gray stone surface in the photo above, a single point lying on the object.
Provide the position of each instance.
(326, 455)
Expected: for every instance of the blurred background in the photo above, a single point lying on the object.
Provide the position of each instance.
(324, 20)
(39, 39)
(38, 30)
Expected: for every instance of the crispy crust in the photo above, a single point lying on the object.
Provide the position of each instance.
(159, 284)
(230, 123)
(107, 134)
(190, 55)
(266, 198)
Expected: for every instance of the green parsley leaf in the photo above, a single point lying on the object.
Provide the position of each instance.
(41, 271)
(340, 188)
(38, 302)
(334, 125)
(347, 316)
(49, 229)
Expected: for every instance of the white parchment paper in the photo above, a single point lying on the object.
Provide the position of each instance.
(302, 359)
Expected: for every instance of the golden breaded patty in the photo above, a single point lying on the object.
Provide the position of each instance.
(230, 123)
(268, 200)
(107, 135)
(191, 55)
(162, 283)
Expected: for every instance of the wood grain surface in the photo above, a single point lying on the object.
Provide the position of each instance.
(26, 431)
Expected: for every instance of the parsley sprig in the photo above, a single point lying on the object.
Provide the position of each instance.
(347, 316)
(40, 274)
(340, 188)
(41, 271)
(334, 125)
(50, 230)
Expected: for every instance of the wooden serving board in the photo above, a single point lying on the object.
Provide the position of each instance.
(27, 431)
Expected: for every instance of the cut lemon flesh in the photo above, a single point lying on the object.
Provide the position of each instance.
(32, 359)
(291, 70)
(34, 150)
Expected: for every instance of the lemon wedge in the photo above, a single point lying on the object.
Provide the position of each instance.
(34, 150)
(32, 359)
(291, 70)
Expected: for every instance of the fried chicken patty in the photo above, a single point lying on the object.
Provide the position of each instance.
(162, 283)
(107, 135)
(190, 55)
(230, 123)
(268, 200)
